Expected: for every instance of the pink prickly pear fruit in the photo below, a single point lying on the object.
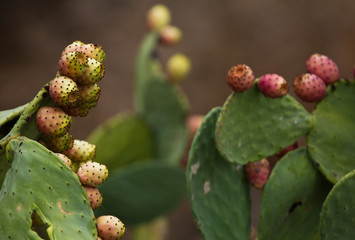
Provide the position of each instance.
(178, 67)
(257, 173)
(110, 227)
(58, 144)
(92, 173)
(273, 85)
(89, 94)
(94, 196)
(287, 149)
(53, 121)
(65, 159)
(323, 67)
(170, 35)
(72, 47)
(193, 123)
(240, 78)
(73, 65)
(64, 91)
(158, 17)
(309, 87)
(93, 73)
(94, 51)
(81, 151)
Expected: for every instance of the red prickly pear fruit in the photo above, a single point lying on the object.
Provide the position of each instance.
(309, 87)
(273, 85)
(178, 67)
(58, 144)
(287, 149)
(158, 16)
(53, 121)
(94, 196)
(170, 35)
(73, 65)
(323, 67)
(92, 173)
(81, 151)
(257, 173)
(64, 92)
(94, 51)
(89, 94)
(110, 227)
(94, 72)
(240, 78)
(65, 159)
(72, 47)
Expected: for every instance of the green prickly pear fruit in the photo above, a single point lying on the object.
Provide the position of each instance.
(73, 65)
(81, 151)
(178, 67)
(92, 173)
(170, 35)
(65, 159)
(257, 173)
(72, 47)
(81, 110)
(94, 196)
(110, 227)
(64, 91)
(58, 144)
(158, 17)
(94, 51)
(94, 72)
(240, 78)
(89, 94)
(53, 121)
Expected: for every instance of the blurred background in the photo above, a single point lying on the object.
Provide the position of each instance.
(270, 36)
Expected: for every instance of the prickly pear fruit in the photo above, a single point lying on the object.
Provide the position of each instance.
(240, 78)
(287, 149)
(323, 67)
(52, 121)
(309, 87)
(81, 110)
(58, 144)
(93, 73)
(110, 227)
(65, 159)
(72, 47)
(158, 17)
(81, 151)
(170, 35)
(89, 93)
(94, 196)
(73, 65)
(273, 85)
(193, 123)
(64, 91)
(257, 173)
(92, 173)
(178, 67)
(94, 51)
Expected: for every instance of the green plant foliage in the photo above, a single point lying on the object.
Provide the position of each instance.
(292, 199)
(218, 191)
(8, 115)
(331, 142)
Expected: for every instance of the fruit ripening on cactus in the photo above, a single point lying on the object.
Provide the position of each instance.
(53, 121)
(178, 67)
(240, 78)
(309, 87)
(273, 85)
(323, 67)
(257, 173)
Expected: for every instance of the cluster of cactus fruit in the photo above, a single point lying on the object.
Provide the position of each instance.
(307, 195)
(38, 154)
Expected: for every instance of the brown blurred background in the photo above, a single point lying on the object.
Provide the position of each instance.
(272, 36)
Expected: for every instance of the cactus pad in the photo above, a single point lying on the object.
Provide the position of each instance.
(251, 126)
(38, 181)
(122, 140)
(337, 216)
(218, 191)
(8, 115)
(331, 141)
(292, 199)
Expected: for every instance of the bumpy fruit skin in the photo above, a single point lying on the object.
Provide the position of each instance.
(89, 93)
(240, 78)
(94, 51)
(178, 67)
(64, 91)
(170, 35)
(94, 197)
(273, 85)
(110, 227)
(309, 87)
(72, 47)
(257, 173)
(158, 17)
(73, 65)
(81, 151)
(92, 173)
(93, 73)
(287, 149)
(81, 110)
(58, 144)
(53, 121)
(323, 67)
(65, 159)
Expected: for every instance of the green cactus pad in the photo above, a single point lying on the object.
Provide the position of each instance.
(8, 115)
(154, 230)
(218, 191)
(122, 140)
(4, 166)
(251, 126)
(337, 216)
(141, 192)
(292, 199)
(38, 181)
(163, 111)
(331, 142)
